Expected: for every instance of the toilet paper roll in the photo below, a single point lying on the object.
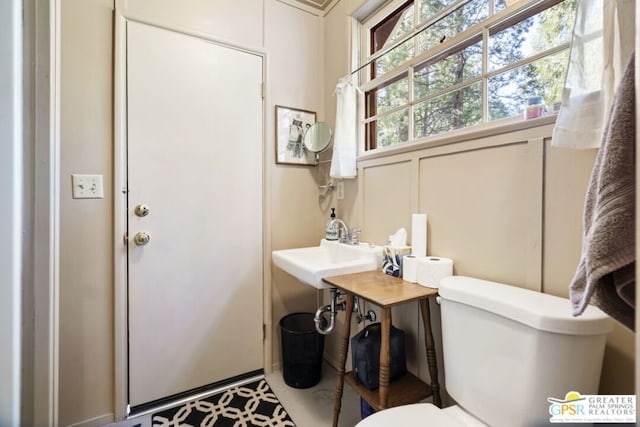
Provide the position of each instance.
(419, 234)
(410, 269)
(433, 269)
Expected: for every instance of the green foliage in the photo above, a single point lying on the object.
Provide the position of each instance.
(462, 107)
(507, 90)
(556, 27)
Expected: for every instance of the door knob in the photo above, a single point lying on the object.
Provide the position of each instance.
(141, 238)
(141, 210)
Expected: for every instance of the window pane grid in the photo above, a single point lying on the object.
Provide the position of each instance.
(536, 33)
(444, 72)
(530, 59)
(391, 129)
(485, 70)
(429, 14)
(467, 96)
(433, 55)
(448, 90)
(374, 54)
(410, 82)
(388, 96)
(387, 113)
(393, 29)
(485, 77)
(507, 103)
(453, 110)
(459, 20)
(499, 15)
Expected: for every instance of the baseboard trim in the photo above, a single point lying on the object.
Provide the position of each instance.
(331, 361)
(95, 422)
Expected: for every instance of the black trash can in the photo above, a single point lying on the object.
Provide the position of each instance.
(302, 348)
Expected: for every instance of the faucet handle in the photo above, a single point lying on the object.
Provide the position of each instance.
(343, 235)
(354, 236)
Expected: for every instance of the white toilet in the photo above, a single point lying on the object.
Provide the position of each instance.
(506, 350)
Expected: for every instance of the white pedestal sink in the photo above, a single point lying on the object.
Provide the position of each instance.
(330, 258)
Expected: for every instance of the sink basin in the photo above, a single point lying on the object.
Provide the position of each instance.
(310, 265)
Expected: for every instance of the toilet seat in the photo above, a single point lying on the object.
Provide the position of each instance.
(463, 416)
(419, 415)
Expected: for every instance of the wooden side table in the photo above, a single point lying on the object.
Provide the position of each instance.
(385, 291)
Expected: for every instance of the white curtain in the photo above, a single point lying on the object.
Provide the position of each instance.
(603, 39)
(343, 162)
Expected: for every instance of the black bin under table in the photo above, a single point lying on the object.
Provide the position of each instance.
(302, 348)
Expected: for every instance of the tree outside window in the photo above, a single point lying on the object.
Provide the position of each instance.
(507, 55)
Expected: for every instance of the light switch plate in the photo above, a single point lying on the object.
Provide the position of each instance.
(87, 186)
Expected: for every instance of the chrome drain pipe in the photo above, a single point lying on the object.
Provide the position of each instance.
(319, 320)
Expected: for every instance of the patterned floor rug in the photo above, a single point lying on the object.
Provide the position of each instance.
(249, 405)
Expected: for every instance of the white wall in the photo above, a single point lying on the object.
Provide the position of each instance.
(11, 212)
(293, 40)
(86, 254)
(236, 21)
(306, 55)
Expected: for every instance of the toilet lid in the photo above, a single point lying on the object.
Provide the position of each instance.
(410, 416)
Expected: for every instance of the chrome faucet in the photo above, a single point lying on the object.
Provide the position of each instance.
(343, 230)
(346, 235)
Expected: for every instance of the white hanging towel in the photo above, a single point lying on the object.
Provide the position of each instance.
(343, 162)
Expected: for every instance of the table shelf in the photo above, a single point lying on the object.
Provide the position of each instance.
(405, 390)
(386, 292)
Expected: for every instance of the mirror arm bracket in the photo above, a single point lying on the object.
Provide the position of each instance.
(330, 186)
(318, 161)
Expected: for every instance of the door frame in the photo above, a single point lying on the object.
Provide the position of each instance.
(122, 16)
(43, 34)
(13, 201)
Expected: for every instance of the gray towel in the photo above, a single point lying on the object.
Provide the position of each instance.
(607, 267)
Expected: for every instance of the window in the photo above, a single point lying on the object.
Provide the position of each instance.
(433, 66)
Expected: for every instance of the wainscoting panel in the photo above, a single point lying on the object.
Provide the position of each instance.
(566, 178)
(386, 200)
(485, 202)
(478, 204)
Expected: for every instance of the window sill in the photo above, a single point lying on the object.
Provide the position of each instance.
(481, 131)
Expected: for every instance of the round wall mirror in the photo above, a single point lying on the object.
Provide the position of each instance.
(317, 137)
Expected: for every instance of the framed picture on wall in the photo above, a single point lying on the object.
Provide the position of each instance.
(291, 124)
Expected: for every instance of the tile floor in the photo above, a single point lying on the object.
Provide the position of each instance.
(311, 407)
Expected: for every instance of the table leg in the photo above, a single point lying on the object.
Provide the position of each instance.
(342, 359)
(432, 361)
(385, 357)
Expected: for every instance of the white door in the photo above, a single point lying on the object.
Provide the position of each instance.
(194, 146)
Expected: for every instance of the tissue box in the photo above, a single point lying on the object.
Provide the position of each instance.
(392, 259)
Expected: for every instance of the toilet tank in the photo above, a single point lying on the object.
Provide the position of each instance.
(507, 349)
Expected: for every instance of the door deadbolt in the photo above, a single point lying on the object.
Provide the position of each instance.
(141, 238)
(141, 210)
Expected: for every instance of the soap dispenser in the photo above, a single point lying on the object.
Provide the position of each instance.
(331, 229)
